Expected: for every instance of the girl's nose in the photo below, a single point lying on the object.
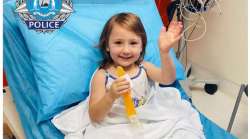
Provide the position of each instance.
(126, 49)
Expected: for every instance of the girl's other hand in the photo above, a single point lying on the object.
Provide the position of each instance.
(169, 37)
(119, 86)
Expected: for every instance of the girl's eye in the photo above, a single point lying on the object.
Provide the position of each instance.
(134, 43)
(118, 42)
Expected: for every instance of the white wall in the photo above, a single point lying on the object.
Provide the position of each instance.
(223, 49)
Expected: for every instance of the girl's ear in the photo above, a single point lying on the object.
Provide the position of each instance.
(107, 49)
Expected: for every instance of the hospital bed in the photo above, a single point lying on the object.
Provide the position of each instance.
(50, 72)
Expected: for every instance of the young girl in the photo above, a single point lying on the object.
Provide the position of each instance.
(123, 43)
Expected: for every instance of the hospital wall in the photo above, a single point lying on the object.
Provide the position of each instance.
(223, 49)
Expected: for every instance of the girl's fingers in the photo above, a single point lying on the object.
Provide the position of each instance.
(171, 23)
(124, 91)
(123, 87)
(174, 25)
(123, 83)
(180, 23)
(163, 29)
(176, 31)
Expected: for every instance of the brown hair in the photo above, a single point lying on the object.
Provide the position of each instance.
(129, 21)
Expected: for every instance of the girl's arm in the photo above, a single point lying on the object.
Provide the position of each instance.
(166, 74)
(101, 100)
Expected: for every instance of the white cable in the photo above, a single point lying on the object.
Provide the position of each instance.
(182, 6)
(189, 19)
(195, 24)
(201, 2)
(197, 12)
(218, 6)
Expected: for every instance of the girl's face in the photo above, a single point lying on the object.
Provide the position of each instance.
(124, 46)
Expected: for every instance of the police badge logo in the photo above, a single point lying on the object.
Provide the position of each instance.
(44, 15)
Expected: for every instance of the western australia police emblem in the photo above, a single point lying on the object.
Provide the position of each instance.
(44, 15)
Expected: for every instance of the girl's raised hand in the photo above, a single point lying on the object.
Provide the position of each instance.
(169, 37)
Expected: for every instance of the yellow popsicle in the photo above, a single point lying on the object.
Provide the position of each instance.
(129, 105)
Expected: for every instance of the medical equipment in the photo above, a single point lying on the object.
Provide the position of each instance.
(190, 13)
(243, 88)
